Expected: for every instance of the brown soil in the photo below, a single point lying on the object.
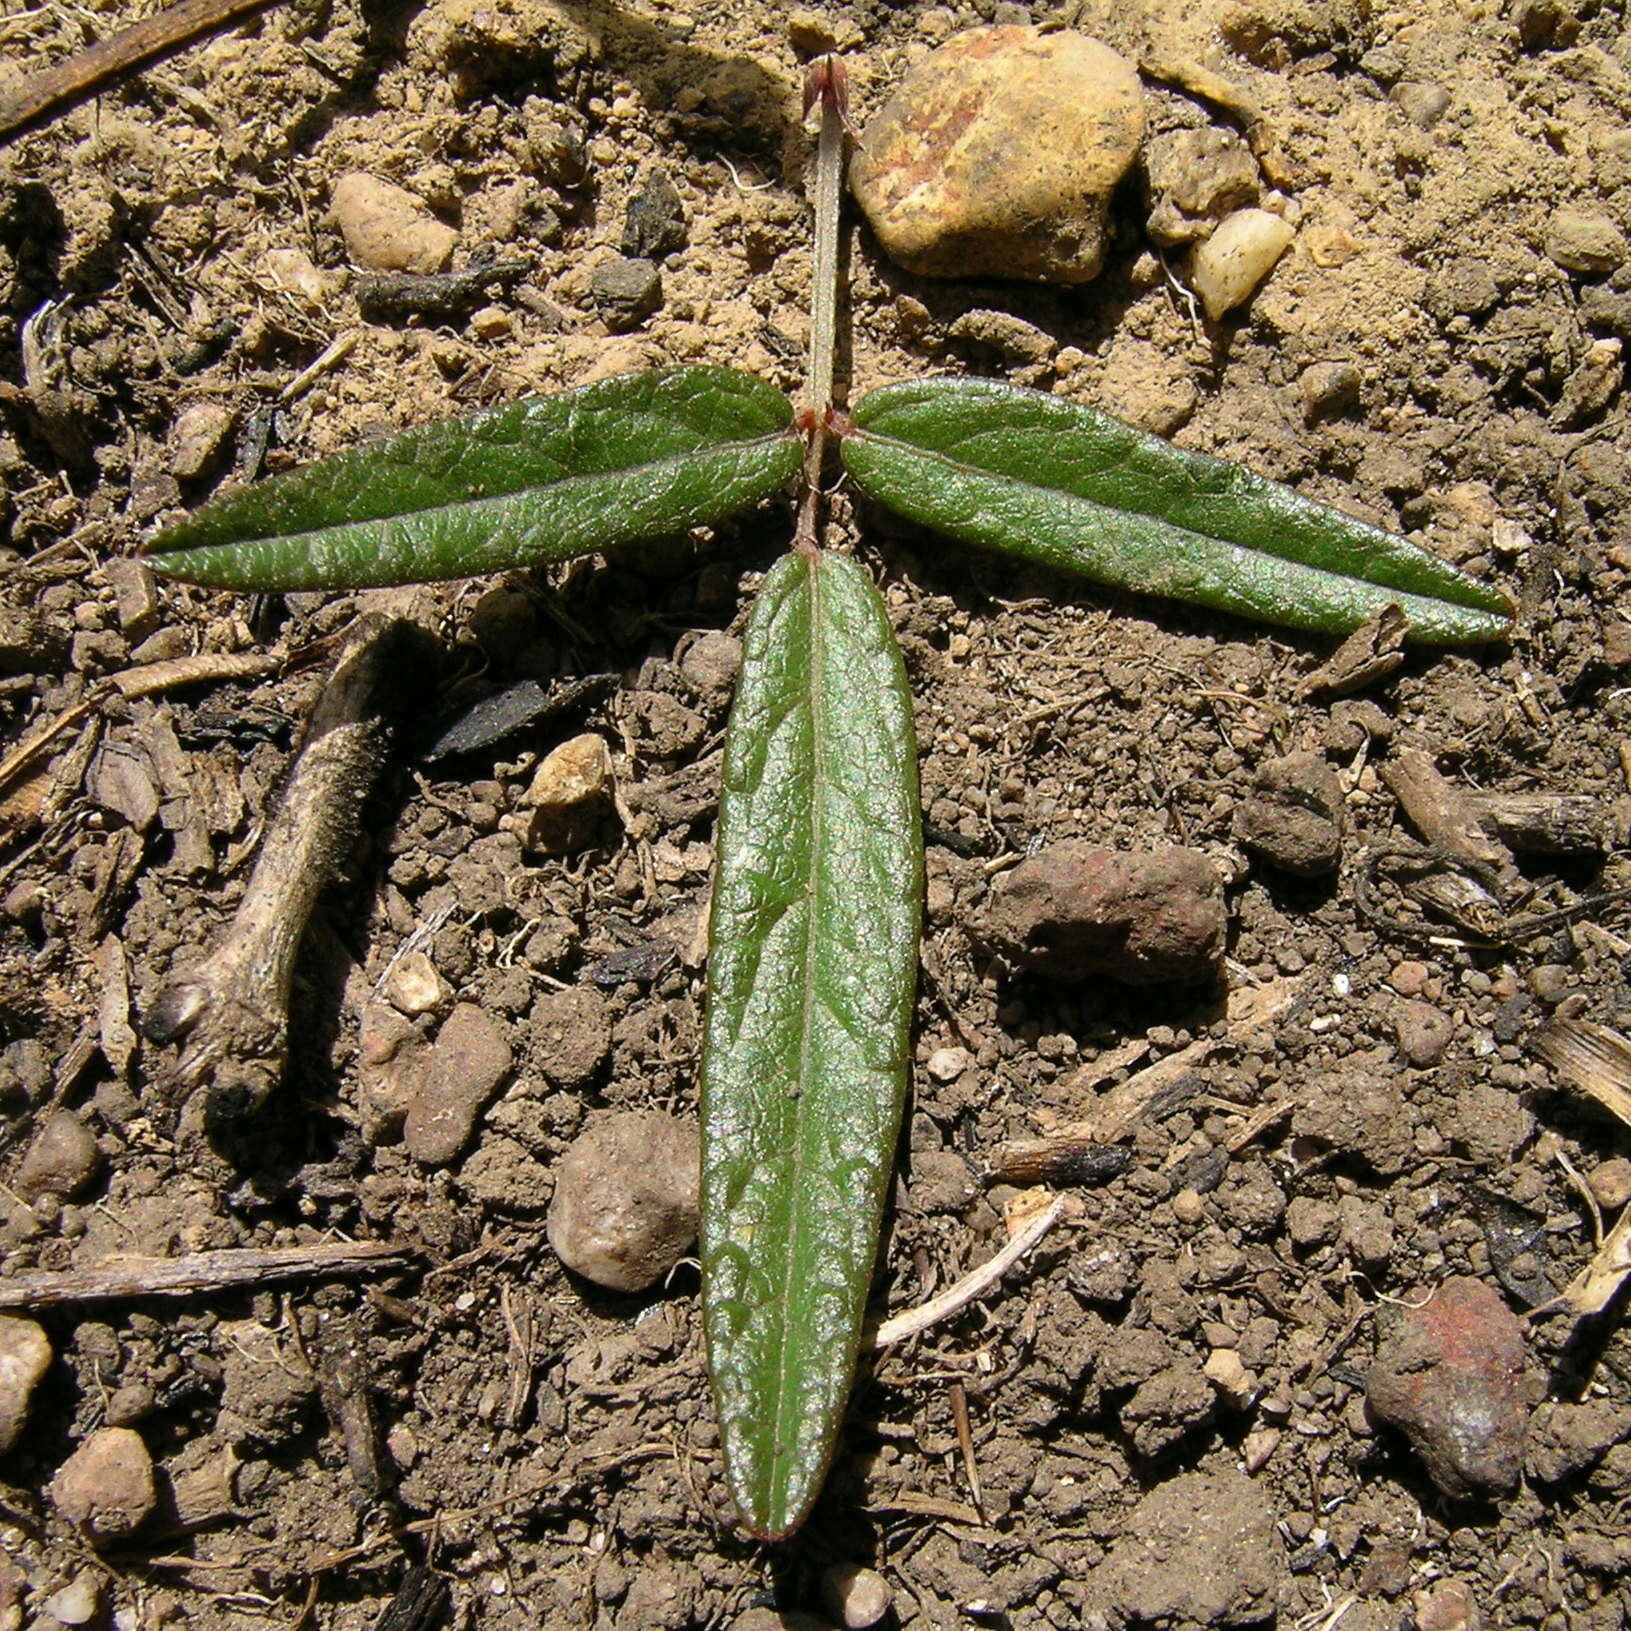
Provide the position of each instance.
(167, 269)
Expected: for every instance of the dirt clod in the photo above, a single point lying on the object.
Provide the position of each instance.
(1193, 178)
(625, 1205)
(105, 1488)
(998, 154)
(654, 225)
(1199, 1549)
(1074, 910)
(1450, 1375)
(1291, 817)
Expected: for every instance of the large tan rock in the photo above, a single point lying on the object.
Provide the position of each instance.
(998, 155)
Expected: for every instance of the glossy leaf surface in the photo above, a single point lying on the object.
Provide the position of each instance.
(538, 480)
(1037, 476)
(811, 972)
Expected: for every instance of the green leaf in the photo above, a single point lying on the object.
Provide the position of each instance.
(538, 480)
(811, 971)
(1036, 476)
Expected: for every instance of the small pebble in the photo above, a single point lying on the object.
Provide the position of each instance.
(1424, 1033)
(387, 229)
(1228, 1374)
(25, 1356)
(625, 291)
(1449, 1374)
(469, 1058)
(1258, 1448)
(624, 1210)
(1583, 241)
(998, 154)
(1610, 1183)
(1227, 268)
(1448, 1605)
(77, 1603)
(197, 437)
(1071, 911)
(1410, 978)
(947, 1064)
(105, 1488)
(655, 223)
(567, 795)
(414, 987)
(61, 1160)
(855, 1596)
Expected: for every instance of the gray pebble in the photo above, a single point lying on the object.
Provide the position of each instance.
(1421, 102)
(1582, 241)
(655, 223)
(626, 292)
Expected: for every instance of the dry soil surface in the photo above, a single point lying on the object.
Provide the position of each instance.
(1439, 352)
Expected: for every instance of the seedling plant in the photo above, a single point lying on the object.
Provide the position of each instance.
(814, 927)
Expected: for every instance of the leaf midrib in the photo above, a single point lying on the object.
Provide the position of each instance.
(781, 1464)
(1467, 600)
(563, 485)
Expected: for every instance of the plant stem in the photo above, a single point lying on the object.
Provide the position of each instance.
(824, 84)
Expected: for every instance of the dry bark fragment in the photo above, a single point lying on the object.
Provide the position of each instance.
(230, 1011)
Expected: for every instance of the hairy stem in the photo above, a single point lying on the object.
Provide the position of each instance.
(824, 85)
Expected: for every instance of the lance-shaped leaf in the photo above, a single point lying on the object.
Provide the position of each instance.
(812, 966)
(1034, 475)
(538, 480)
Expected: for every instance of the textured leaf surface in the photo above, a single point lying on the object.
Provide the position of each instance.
(1032, 475)
(811, 972)
(539, 480)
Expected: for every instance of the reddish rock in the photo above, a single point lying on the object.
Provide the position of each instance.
(471, 1056)
(105, 1488)
(1449, 1374)
(1073, 910)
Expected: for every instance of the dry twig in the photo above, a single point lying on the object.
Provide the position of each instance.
(973, 1285)
(231, 1011)
(122, 1278)
(65, 85)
